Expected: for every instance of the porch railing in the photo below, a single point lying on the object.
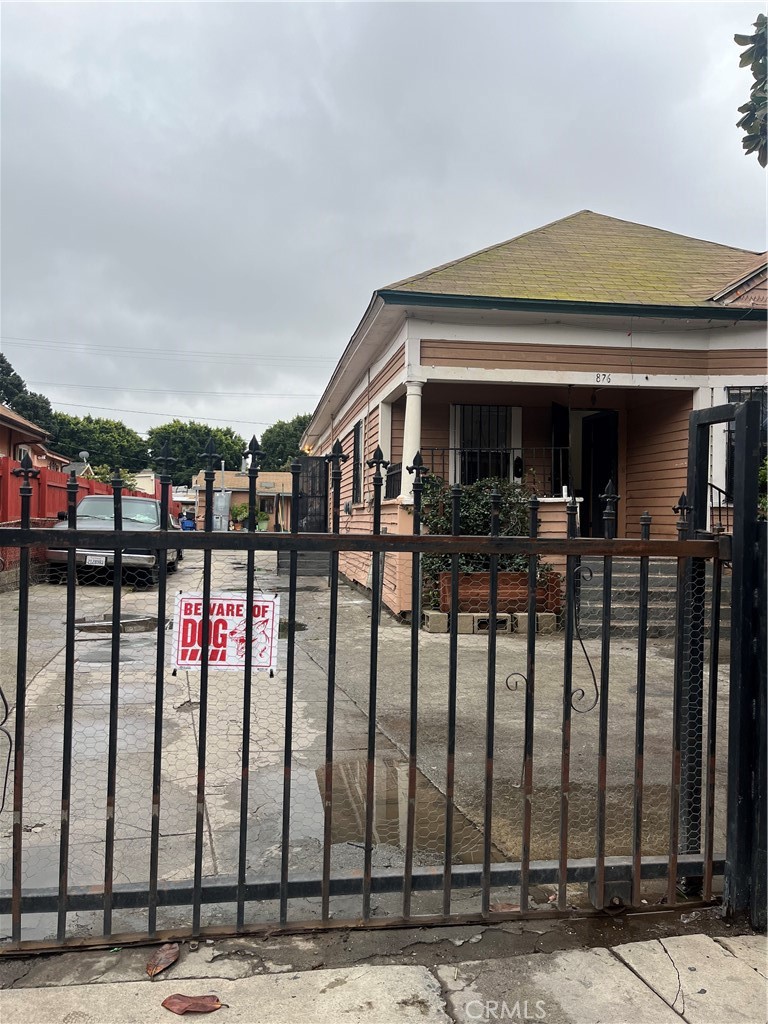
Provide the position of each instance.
(544, 470)
(720, 509)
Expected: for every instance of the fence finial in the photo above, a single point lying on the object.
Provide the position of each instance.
(209, 455)
(26, 469)
(164, 458)
(254, 451)
(336, 456)
(378, 462)
(610, 497)
(682, 509)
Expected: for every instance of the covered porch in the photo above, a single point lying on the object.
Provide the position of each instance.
(556, 440)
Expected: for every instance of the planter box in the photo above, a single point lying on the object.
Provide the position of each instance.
(474, 590)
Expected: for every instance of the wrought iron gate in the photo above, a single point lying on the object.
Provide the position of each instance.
(372, 778)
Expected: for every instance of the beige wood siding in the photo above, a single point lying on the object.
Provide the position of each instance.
(356, 566)
(585, 358)
(656, 462)
(386, 376)
(398, 423)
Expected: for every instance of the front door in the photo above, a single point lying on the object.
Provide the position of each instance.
(600, 463)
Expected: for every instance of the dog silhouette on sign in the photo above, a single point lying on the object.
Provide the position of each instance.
(261, 640)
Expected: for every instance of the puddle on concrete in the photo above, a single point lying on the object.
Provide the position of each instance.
(100, 652)
(300, 627)
(102, 656)
(128, 623)
(391, 810)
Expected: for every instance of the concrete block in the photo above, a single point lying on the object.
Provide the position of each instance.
(434, 622)
(546, 622)
(466, 622)
(520, 622)
(503, 623)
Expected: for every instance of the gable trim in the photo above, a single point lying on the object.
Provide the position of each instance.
(391, 298)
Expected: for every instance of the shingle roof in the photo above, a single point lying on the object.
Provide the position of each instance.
(21, 425)
(588, 257)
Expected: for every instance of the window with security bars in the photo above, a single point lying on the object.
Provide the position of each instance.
(357, 463)
(745, 394)
(484, 442)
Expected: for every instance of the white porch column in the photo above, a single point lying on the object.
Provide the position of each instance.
(411, 435)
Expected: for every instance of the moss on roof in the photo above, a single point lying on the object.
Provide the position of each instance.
(588, 257)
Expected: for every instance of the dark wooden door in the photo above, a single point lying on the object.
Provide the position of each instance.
(600, 463)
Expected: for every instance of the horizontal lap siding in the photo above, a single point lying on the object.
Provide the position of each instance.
(738, 361)
(657, 460)
(356, 566)
(398, 425)
(587, 358)
(386, 376)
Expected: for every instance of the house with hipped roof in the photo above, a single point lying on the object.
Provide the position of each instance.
(562, 358)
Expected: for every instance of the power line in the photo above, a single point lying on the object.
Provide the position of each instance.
(171, 391)
(166, 415)
(185, 354)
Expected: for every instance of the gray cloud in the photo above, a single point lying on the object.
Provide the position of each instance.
(237, 178)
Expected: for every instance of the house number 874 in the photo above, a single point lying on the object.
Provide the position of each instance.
(602, 378)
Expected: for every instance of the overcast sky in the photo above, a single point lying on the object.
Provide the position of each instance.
(224, 185)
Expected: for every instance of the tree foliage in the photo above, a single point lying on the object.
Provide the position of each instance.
(280, 442)
(106, 473)
(753, 120)
(11, 384)
(15, 394)
(108, 442)
(187, 441)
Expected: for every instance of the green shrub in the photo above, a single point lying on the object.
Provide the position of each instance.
(475, 519)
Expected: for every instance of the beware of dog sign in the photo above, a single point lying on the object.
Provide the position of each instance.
(227, 630)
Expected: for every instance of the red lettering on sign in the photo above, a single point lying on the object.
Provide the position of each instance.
(219, 633)
(190, 633)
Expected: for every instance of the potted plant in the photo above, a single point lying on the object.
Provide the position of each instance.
(238, 513)
(262, 521)
(474, 569)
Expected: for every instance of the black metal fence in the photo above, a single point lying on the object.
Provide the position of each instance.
(341, 771)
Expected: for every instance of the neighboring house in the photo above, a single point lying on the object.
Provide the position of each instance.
(148, 482)
(18, 435)
(273, 494)
(80, 469)
(44, 458)
(569, 355)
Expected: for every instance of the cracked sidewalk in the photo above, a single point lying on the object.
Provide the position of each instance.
(451, 975)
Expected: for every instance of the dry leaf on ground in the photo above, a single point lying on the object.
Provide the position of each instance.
(178, 1003)
(163, 957)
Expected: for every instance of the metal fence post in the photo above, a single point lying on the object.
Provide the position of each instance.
(746, 789)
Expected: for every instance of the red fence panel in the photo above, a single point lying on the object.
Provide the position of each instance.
(49, 493)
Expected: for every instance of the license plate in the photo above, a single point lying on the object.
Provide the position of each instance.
(95, 559)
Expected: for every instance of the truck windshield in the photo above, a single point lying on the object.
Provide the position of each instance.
(136, 509)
